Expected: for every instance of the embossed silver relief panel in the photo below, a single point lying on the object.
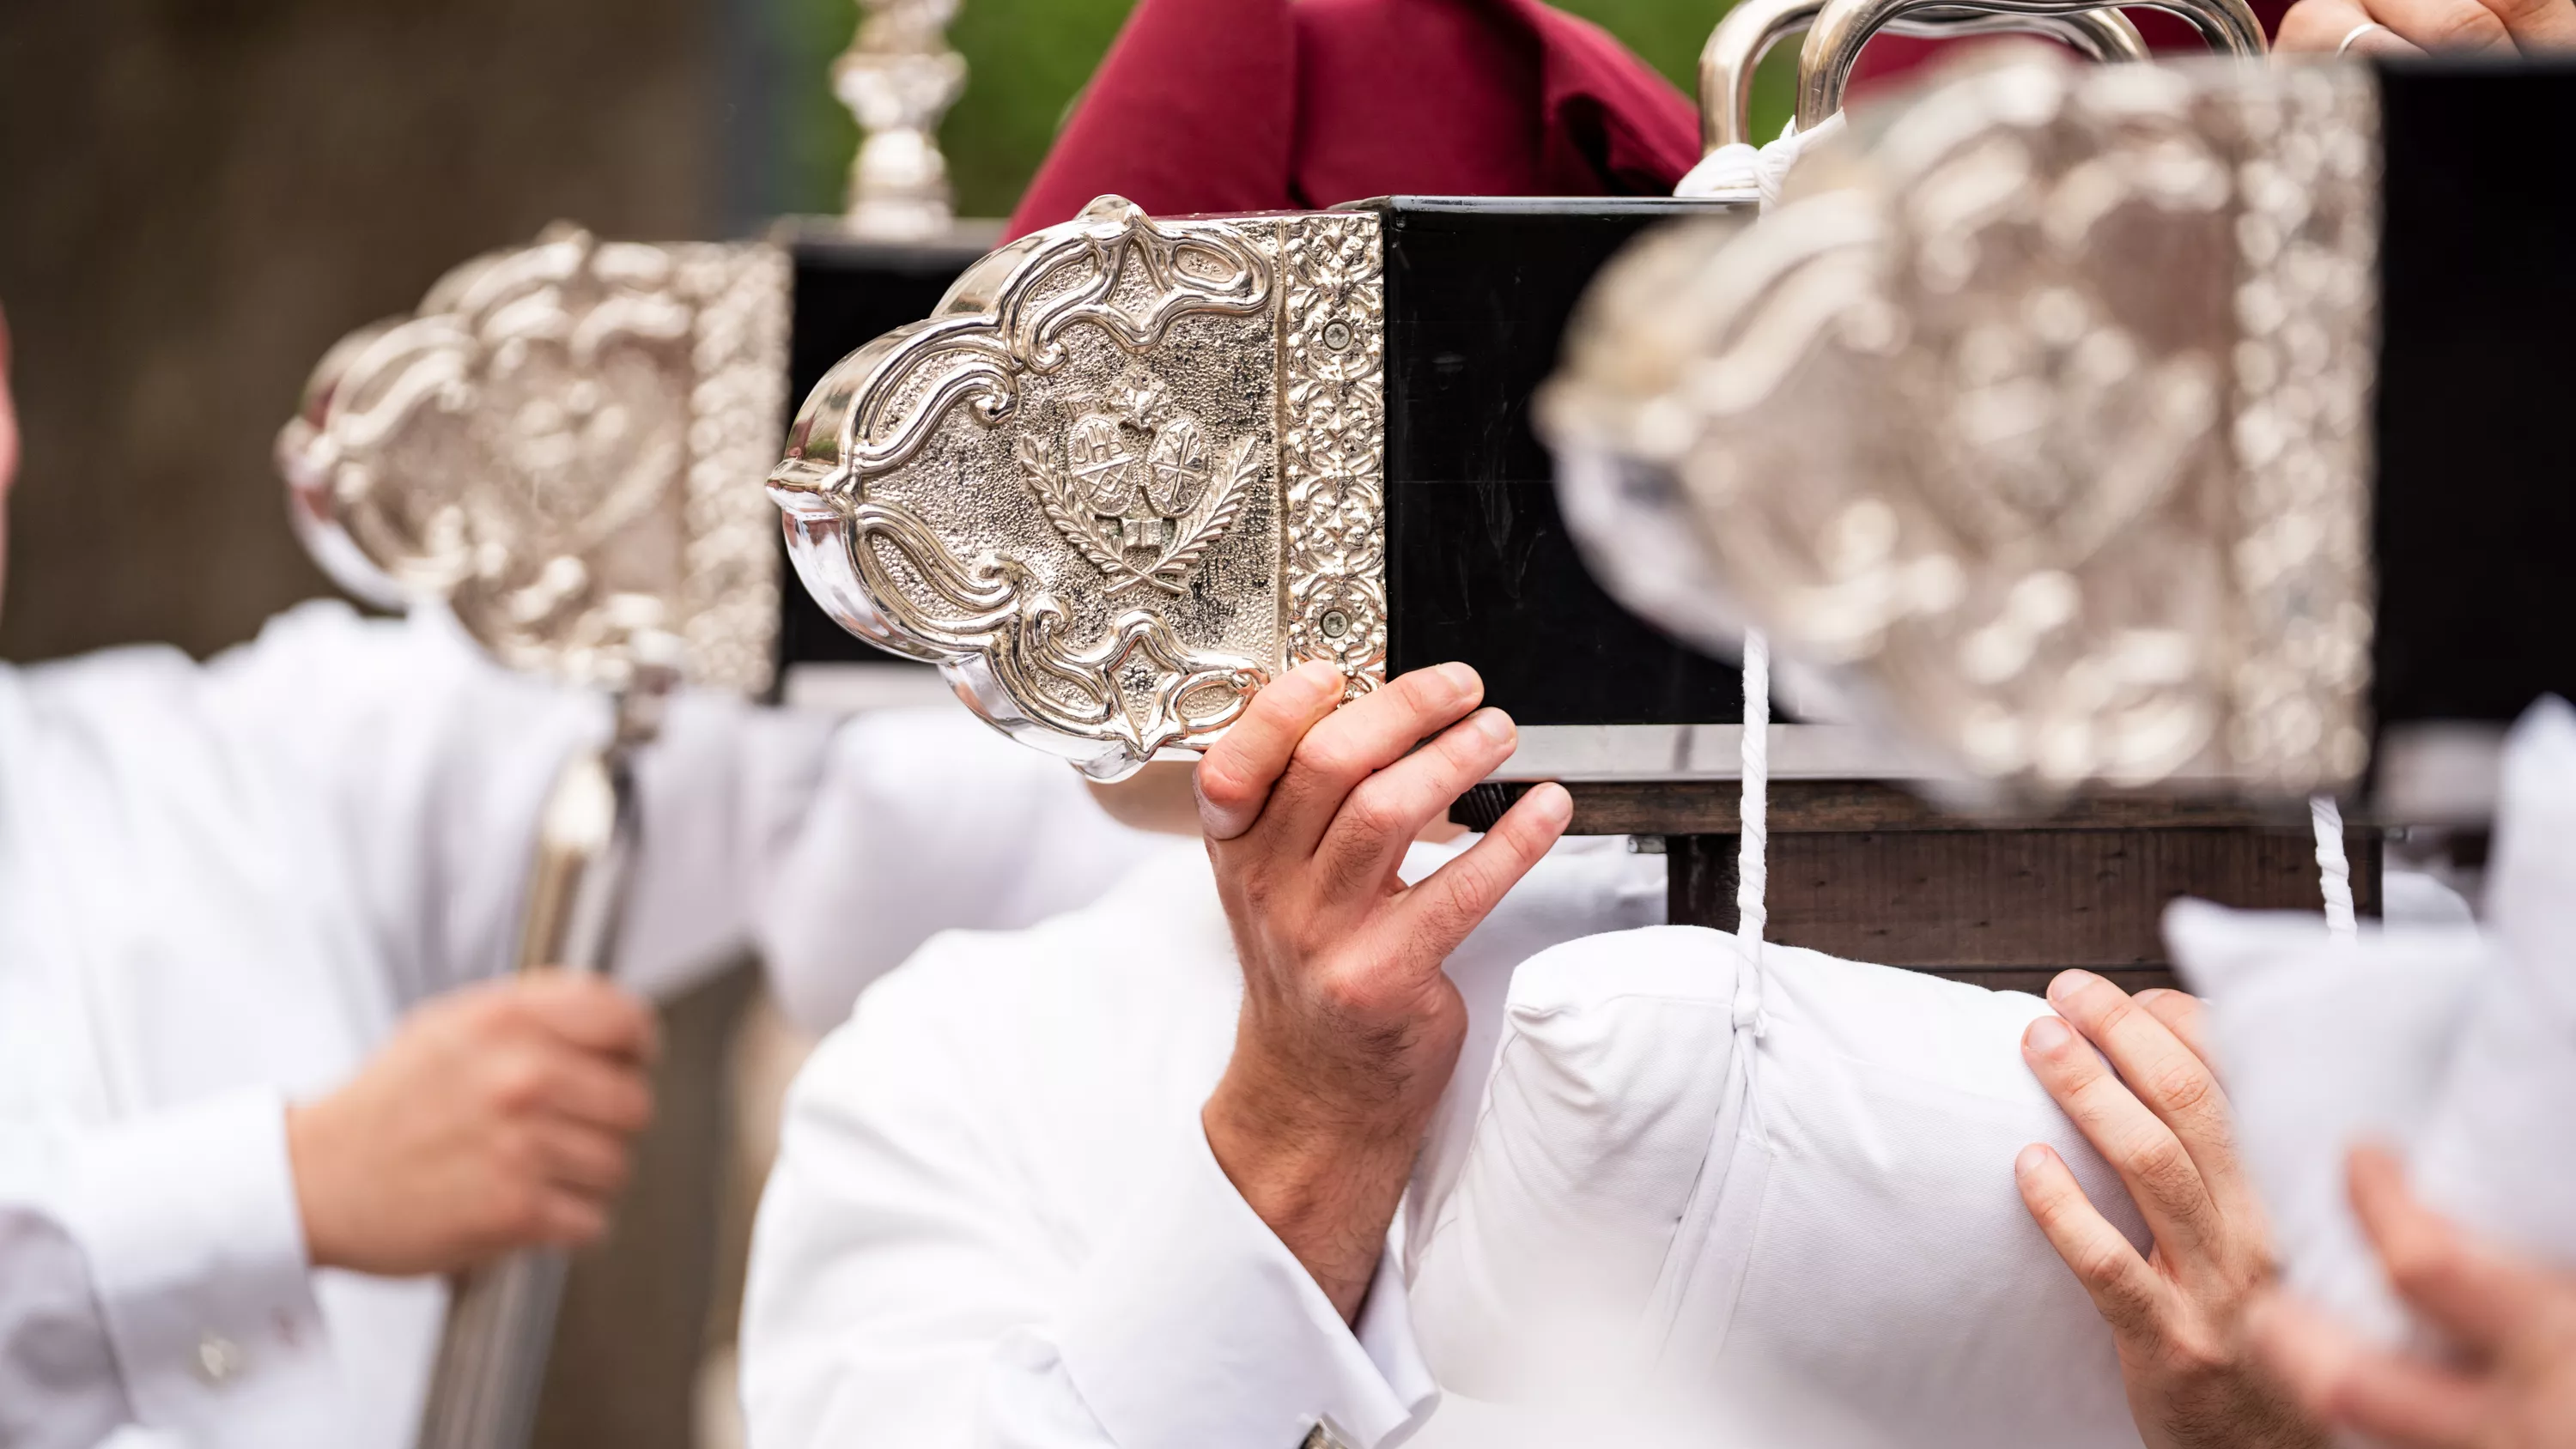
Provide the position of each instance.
(1128, 473)
(560, 445)
(2038, 417)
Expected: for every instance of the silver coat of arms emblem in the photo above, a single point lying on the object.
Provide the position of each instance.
(1133, 488)
(1128, 472)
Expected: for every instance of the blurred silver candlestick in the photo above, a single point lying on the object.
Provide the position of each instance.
(899, 77)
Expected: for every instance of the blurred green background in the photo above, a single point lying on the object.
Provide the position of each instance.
(1027, 58)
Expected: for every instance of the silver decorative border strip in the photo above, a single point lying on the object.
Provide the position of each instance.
(2307, 232)
(1332, 443)
(730, 588)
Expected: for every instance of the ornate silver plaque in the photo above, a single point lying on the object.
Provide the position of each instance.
(563, 445)
(2038, 416)
(1128, 472)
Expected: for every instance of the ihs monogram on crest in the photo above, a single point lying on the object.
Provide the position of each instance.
(1133, 489)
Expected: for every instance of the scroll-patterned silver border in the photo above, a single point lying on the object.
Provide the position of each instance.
(730, 588)
(1018, 626)
(1332, 443)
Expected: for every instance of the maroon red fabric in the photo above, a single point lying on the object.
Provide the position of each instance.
(1247, 105)
(1255, 105)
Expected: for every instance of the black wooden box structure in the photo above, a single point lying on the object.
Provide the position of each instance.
(2476, 508)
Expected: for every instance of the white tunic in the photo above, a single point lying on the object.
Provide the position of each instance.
(221, 887)
(995, 1220)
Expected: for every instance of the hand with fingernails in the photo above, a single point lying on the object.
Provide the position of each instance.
(2155, 1112)
(499, 1116)
(2413, 27)
(2510, 1380)
(1349, 1029)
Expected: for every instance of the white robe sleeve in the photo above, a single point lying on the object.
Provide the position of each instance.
(368, 790)
(921, 821)
(59, 1387)
(910, 1287)
(834, 847)
(158, 1276)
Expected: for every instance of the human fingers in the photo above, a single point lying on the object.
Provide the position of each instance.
(2466, 26)
(2537, 26)
(2483, 1297)
(1362, 737)
(2322, 27)
(2149, 1157)
(1235, 777)
(589, 1011)
(1437, 914)
(2174, 1081)
(569, 1219)
(604, 1093)
(2337, 1378)
(1379, 821)
(583, 1158)
(2124, 1289)
(2183, 1014)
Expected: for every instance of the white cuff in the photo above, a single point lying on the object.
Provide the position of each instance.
(1196, 1326)
(196, 1250)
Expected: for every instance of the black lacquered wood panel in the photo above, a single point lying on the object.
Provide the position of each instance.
(2476, 506)
(1479, 566)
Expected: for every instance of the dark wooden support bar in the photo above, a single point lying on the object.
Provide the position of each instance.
(1870, 872)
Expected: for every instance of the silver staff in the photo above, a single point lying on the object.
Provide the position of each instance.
(563, 447)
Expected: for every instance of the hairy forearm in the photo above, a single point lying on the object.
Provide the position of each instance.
(1328, 1189)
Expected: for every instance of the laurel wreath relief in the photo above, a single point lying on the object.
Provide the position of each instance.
(1194, 532)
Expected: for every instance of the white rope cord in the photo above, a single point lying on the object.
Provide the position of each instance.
(2334, 873)
(1752, 877)
(1742, 172)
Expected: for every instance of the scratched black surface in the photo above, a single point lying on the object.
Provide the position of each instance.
(1479, 566)
(2476, 506)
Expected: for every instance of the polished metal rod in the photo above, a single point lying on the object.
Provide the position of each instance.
(501, 1319)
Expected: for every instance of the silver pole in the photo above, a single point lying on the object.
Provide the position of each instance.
(501, 1319)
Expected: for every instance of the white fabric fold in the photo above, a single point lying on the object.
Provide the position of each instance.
(1195, 1325)
(189, 1221)
(2451, 1043)
(1784, 1190)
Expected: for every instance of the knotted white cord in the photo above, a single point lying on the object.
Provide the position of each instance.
(1740, 172)
(1752, 876)
(2334, 873)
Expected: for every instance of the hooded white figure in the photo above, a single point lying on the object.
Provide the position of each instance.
(222, 887)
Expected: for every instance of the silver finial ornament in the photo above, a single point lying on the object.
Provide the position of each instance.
(899, 77)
